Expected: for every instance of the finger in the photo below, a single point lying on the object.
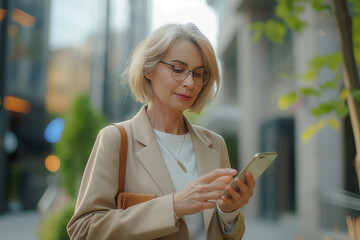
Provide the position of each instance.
(210, 187)
(227, 201)
(217, 173)
(229, 204)
(208, 196)
(250, 182)
(244, 191)
(235, 195)
(224, 179)
(243, 188)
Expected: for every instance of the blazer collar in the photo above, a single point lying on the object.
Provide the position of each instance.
(144, 132)
(207, 159)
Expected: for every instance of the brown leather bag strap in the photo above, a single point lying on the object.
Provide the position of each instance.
(123, 157)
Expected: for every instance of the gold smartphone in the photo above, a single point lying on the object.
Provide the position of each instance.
(259, 163)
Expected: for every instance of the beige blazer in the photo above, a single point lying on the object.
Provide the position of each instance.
(96, 216)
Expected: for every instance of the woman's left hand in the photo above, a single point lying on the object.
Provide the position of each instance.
(238, 198)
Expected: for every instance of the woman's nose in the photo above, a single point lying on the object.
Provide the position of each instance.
(189, 80)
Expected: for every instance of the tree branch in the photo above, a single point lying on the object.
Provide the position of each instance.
(351, 78)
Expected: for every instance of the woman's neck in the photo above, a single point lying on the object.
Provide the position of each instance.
(166, 120)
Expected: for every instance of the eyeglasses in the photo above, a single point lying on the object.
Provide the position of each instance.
(180, 72)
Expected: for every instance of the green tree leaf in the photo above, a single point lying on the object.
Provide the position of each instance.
(333, 61)
(338, 77)
(356, 6)
(333, 123)
(282, 10)
(275, 31)
(287, 100)
(258, 29)
(333, 105)
(308, 133)
(356, 94)
(317, 62)
(319, 5)
(356, 38)
(307, 91)
(343, 95)
(328, 84)
(342, 110)
(324, 108)
(295, 23)
(289, 12)
(310, 75)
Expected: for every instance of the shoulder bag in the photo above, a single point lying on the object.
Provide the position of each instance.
(123, 199)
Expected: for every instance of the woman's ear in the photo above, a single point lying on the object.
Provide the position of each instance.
(147, 75)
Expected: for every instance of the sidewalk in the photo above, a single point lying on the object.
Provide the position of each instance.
(286, 229)
(19, 225)
(257, 229)
(24, 225)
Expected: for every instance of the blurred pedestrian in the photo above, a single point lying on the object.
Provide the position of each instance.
(186, 166)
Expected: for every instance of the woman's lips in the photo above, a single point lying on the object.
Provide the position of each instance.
(183, 97)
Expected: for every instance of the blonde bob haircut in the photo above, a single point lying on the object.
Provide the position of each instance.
(149, 52)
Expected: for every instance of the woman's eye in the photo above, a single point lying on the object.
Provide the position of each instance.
(197, 74)
(178, 70)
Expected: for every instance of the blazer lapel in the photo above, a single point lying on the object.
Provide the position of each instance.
(150, 155)
(207, 160)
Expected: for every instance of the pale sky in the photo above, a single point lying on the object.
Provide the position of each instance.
(184, 11)
(63, 28)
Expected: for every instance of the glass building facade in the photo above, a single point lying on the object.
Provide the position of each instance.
(50, 51)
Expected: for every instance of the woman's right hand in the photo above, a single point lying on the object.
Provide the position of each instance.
(202, 193)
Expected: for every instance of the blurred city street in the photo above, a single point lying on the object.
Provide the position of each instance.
(286, 229)
(24, 225)
(282, 87)
(19, 225)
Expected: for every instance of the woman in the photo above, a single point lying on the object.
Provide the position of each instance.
(186, 166)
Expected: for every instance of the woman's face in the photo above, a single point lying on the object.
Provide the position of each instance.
(172, 94)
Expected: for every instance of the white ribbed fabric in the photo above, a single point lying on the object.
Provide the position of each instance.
(195, 222)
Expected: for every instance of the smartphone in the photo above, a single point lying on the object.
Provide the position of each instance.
(259, 163)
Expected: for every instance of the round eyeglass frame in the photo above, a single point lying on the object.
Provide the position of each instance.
(205, 74)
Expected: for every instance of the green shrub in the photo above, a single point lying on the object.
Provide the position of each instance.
(82, 124)
(53, 227)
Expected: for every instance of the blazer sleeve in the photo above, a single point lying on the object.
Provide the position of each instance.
(96, 216)
(239, 228)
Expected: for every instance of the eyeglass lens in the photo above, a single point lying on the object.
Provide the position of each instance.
(180, 72)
